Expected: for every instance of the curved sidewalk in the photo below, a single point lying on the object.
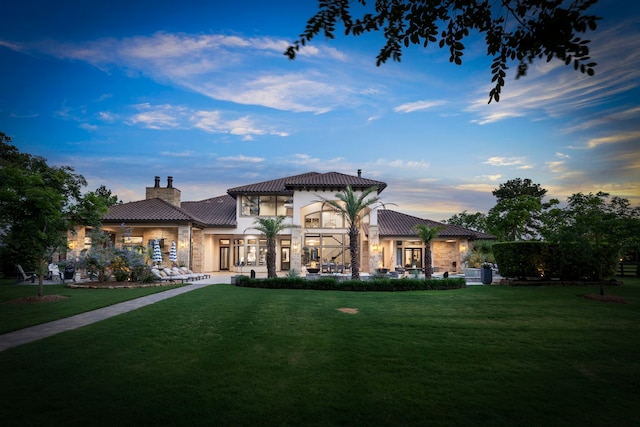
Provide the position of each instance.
(34, 333)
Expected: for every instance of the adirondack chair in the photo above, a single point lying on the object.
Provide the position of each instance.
(23, 276)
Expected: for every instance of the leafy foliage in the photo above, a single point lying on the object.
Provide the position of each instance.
(426, 235)
(593, 230)
(353, 207)
(519, 31)
(475, 221)
(518, 212)
(38, 205)
(270, 227)
(333, 284)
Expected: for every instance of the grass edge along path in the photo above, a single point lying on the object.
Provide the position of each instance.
(224, 355)
(18, 316)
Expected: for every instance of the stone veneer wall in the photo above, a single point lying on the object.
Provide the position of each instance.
(444, 253)
(169, 195)
(197, 251)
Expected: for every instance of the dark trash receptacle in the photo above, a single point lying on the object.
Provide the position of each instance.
(253, 274)
(69, 272)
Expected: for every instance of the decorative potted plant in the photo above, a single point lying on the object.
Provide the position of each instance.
(486, 273)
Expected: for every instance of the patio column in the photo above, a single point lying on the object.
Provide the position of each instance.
(296, 250)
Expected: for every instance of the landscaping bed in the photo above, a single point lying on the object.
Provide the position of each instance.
(333, 284)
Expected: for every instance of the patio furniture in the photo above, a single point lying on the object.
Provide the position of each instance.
(162, 276)
(175, 276)
(23, 276)
(54, 272)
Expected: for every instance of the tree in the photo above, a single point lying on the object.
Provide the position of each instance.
(270, 227)
(514, 30)
(38, 205)
(427, 234)
(353, 207)
(518, 212)
(592, 231)
(518, 187)
(476, 221)
(105, 194)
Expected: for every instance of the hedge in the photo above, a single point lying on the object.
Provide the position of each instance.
(372, 285)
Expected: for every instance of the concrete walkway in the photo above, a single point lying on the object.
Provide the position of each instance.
(38, 332)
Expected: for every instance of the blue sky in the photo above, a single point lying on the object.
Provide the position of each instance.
(201, 91)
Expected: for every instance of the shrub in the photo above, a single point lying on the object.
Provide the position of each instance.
(333, 284)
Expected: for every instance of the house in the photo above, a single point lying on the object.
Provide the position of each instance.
(216, 234)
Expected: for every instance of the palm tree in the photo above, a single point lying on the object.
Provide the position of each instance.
(270, 227)
(427, 234)
(353, 208)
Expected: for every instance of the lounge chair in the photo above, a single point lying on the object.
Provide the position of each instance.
(161, 275)
(184, 272)
(23, 276)
(173, 275)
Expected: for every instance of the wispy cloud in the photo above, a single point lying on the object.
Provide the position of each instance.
(242, 159)
(554, 90)
(519, 162)
(411, 107)
(614, 138)
(168, 116)
(214, 65)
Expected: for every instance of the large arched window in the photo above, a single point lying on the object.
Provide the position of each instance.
(327, 217)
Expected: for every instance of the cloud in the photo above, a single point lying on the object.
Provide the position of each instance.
(215, 65)
(172, 154)
(507, 161)
(553, 90)
(168, 116)
(613, 139)
(411, 107)
(242, 159)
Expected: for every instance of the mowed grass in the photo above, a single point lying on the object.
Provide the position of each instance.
(484, 355)
(19, 316)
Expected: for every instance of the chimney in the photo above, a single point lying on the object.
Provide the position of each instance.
(359, 173)
(169, 194)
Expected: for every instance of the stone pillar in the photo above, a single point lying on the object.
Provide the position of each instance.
(375, 251)
(296, 250)
(183, 245)
(197, 251)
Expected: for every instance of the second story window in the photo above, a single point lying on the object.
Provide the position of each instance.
(267, 205)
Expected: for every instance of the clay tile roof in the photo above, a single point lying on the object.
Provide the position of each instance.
(396, 224)
(146, 210)
(334, 180)
(308, 181)
(275, 186)
(215, 212)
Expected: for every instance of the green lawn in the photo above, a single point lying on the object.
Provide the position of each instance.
(484, 355)
(18, 316)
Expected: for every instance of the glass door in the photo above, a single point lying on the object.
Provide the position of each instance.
(413, 258)
(224, 257)
(285, 255)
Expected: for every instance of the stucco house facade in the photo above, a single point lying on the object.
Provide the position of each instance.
(216, 234)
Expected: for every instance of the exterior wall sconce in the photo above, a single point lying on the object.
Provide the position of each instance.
(71, 244)
(295, 246)
(463, 248)
(183, 244)
(374, 247)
